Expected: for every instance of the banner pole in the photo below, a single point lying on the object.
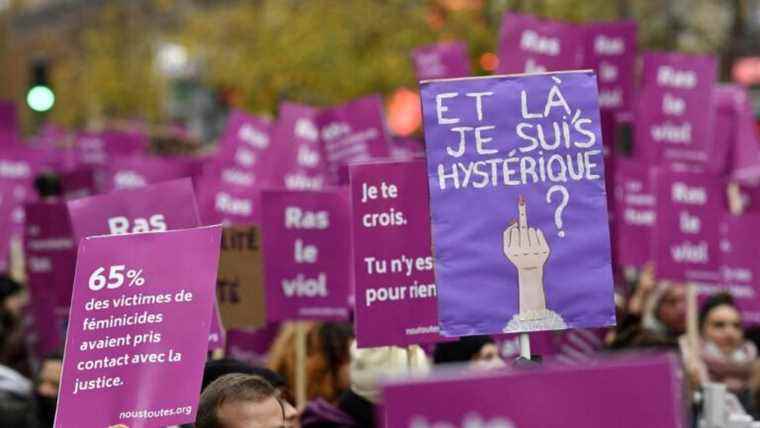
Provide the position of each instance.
(692, 326)
(525, 346)
(300, 375)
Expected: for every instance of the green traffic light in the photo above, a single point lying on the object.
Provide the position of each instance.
(40, 98)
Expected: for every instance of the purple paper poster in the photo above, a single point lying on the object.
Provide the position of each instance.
(393, 262)
(674, 120)
(353, 132)
(528, 45)
(635, 212)
(245, 146)
(689, 206)
(519, 399)
(8, 123)
(306, 254)
(138, 329)
(518, 203)
(50, 254)
(610, 49)
(131, 172)
(441, 60)
(251, 345)
(297, 148)
(223, 197)
(157, 208)
(739, 267)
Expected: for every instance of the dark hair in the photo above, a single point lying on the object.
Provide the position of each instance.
(231, 388)
(48, 184)
(8, 287)
(217, 368)
(713, 302)
(461, 350)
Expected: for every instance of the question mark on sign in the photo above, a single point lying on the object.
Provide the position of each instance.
(561, 207)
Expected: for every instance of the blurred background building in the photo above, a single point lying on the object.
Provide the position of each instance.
(188, 61)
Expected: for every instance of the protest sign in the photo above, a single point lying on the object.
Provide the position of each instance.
(745, 162)
(251, 345)
(245, 141)
(299, 155)
(740, 271)
(131, 172)
(407, 148)
(526, 148)
(156, 208)
(223, 201)
(441, 60)
(520, 399)
(306, 254)
(610, 49)
(393, 262)
(138, 328)
(216, 334)
(50, 254)
(635, 213)
(240, 285)
(8, 123)
(528, 45)
(352, 132)
(674, 118)
(689, 206)
(78, 183)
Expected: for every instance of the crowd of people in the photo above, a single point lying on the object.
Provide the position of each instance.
(343, 381)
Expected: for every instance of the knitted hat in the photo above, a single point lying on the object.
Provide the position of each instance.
(370, 366)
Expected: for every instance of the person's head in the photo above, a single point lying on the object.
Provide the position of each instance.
(328, 358)
(217, 368)
(480, 350)
(48, 185)
(241, 401)
(721, 323)
(671, 308)
(369, 366)
(12, 297)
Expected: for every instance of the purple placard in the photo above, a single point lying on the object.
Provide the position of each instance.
(407, 148)
(674, 121)
(745, 165)
(131, 172)
(245, 144)
(216, 334)
(78, 183)
(487, 164)
(610, 49)
(441, 60)
(297, 148)
(689, 206)
(544, 398)
(740, 271)
(134, 324)
(393, 264)
(353, 132)
(224, 198)
(528, 45)
(306, 254)
(50, 255)
(635, 212)
(156, 208)
(251, 345)
(7, 206)
(8, 123)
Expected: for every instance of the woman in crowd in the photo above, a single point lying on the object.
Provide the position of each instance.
(327, 360)
(478, 351)
(356, 406)
(655, 316)
(723, 355)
